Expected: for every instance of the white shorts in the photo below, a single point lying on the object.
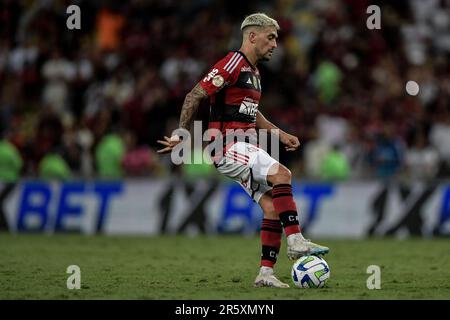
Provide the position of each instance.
(248, 165)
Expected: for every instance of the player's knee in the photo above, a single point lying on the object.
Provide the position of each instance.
(283, 176)
(287, 174)
(279, 174)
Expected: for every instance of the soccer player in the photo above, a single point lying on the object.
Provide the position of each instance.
(233, 86)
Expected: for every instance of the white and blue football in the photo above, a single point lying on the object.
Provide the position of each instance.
(310, 272)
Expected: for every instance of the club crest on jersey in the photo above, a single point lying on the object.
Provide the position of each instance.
(255, 82)
(218, 81)
(248, 107)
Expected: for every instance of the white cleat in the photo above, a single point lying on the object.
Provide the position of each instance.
(297, 246)
(266, 278)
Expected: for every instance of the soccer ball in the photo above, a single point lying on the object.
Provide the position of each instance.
(310, 272)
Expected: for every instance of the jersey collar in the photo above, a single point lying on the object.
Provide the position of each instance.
(242, 54)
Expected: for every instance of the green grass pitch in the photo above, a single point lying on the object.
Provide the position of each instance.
(219, 267)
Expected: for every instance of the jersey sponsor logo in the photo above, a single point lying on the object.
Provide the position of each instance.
(211, 75)
(246, 69)
(248, 108)
(218, 81)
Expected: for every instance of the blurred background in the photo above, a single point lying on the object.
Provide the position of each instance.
(91, 103)
(81, 111)
(117, 84)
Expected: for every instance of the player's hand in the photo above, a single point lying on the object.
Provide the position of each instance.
(291, 143)
(169, 143)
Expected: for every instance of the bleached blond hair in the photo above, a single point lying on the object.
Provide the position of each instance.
(259, 19)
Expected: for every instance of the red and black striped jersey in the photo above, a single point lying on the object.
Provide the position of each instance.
(234, 87)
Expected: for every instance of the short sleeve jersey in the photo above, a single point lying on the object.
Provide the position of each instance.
(234, 87)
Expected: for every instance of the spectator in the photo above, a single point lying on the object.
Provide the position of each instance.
(327, 80)
(315, 151)
(131, 65)
(334, 165)
(422, 160)
(440, 139)
(354, 149)
(387, 154)
(58, 72)
(109, 27)
(10, 162)
(54, 167)
(138, 159)
(109, 155)
(10, 169)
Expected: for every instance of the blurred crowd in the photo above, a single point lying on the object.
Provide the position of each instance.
(92, 102)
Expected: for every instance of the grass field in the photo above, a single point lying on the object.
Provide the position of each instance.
(178, 267)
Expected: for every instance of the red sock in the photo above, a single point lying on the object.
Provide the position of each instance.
(271, 233)
(285, 207)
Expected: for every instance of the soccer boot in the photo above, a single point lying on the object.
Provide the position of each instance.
(297, 246)
(266, 278)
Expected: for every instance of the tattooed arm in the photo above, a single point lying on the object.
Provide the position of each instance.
(188, 111)
(190, 106)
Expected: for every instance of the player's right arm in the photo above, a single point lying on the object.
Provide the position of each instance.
(188, 111)
(190, 106)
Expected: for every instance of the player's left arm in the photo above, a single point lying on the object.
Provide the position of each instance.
(291, 142)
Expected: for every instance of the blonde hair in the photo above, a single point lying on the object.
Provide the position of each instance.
(259, 19)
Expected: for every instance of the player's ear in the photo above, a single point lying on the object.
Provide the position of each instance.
(252, 36)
